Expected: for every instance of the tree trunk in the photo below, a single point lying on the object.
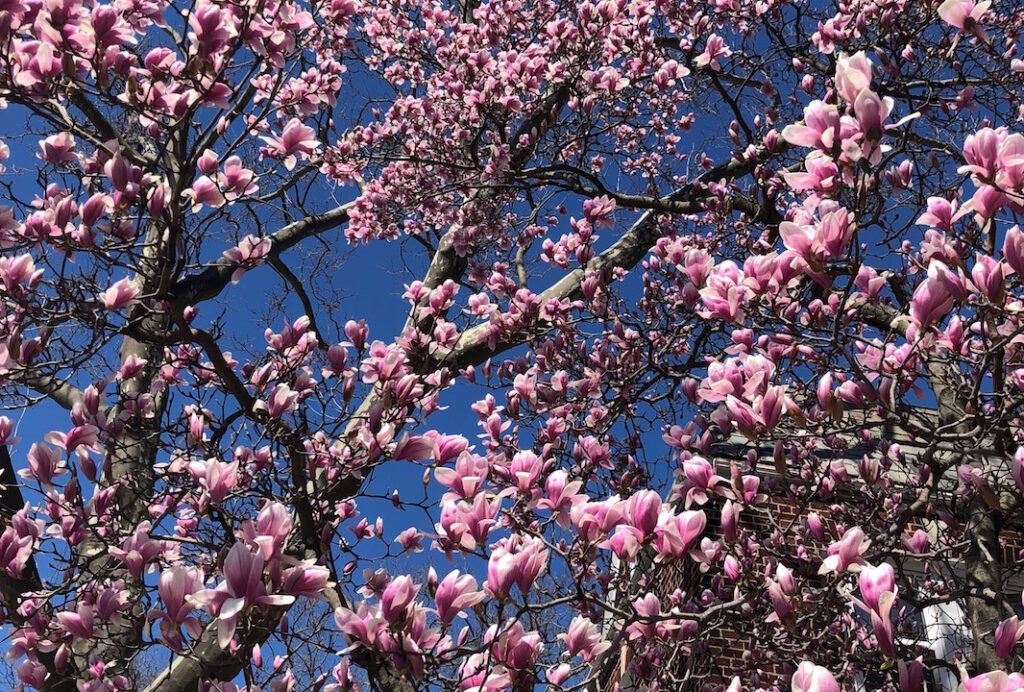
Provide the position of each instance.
(985, 602)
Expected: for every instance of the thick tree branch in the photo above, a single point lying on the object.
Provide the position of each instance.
(211, 281)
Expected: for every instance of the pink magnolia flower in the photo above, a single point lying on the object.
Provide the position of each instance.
(874, 581)
(79, 623)
(649, 606)
(935, 296)
(121, 173)
(411, 540)
(821, 176)
(870, 281)
(989, 277)
(732, 568)
(918, 542)
(455, 594)
(853, 75)
(816, 526)
(583, 639)
(644, 510)
(19, 271)
(216, 477)
(205, 192)
(872, 112)
(236, 180)
(120, 295)
(44, 464)
(707, 554)
(514, 647)
(560, 496)
(250, 252)
(408, 447)
(208, 162)
(700, 480)
(157, 201)
(242, 588)
(398, 597)
(997, 681)
(965, 15)
(697, 265)
(1007, 634)
(211, 28)
(306, 579)
(515, 561)
(594, 520)
(559, 674)
(828, 238)
(846, 554)
(812, 678)
(295, 141)
(467, 478)
(32, 674)
(138, 550)
(982, 153)
(175, 586)
(15, 551)
(85, 436)
(782, 603)
(911, 674)
(941, 214)
(524, 469)
(363, 625)
(625, 543)
(269, 532)
(730, 519)
(724, 296)
(282, 399)
(714, 50)
(464, 525)
(677, 532)
(94, 208)
(821, 128)
(1013, 249)
(478, 674)
(58, 148)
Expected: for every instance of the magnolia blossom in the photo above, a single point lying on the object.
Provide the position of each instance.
(584, 640)
(874, 581)
(517, 561)
(965, 15)
(242, 588)
(120, 295)
(935, 296)
(1006, 636)
(138, 550)
(455, 594)
(714, 50)
(295, 141)
(822, 240)
(216, 477)
(175, 587)
(997, 681)
(205, 192)
(846, 554)
(812, 678)
(250, 252)
(853, 75)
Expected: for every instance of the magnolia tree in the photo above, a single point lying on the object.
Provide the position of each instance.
(633, 230)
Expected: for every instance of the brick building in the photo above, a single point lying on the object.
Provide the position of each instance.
(937, 630)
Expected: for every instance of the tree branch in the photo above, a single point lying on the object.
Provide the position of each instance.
(211, 281)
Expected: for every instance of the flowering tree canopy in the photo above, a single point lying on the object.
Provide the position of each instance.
(636, 233)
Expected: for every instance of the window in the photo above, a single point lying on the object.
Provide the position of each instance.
(939, 628)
